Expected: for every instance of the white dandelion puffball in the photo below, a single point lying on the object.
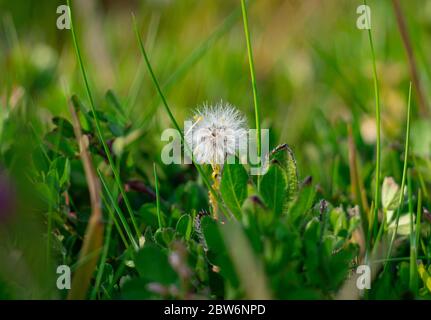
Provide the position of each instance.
(215, 133)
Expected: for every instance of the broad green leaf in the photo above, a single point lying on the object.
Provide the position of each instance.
(233, 187)
(217, 252)
(135, 289)
(153, 265)
(273, 189)
(191, 196)
(147, 214)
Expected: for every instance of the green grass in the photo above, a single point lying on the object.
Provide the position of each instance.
(113, 203)
(101, 266)
(253, 77)
(348, 151)
(374, 221)
(172, 118)
(404, 177)
(185, 65)
(99, 130)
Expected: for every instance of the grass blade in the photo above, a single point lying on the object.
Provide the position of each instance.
(98, 128)
(253, 81)
(118, 211)
(403, 180)
(114, 219)
(102, 260)
(378, 129)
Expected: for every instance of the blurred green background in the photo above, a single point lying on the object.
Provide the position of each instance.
(313, 66)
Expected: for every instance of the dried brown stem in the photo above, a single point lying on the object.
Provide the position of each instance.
(402, 26)
(93, 239)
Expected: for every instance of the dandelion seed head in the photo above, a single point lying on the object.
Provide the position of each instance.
(216, 133)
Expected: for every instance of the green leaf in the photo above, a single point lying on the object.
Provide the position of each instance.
(233, 187)
(184, 226)
(217, 252)
(303, 202)
(153, 265)
(64, 126)
(273, 189)
(192, 196)
(283, 156)
(147, 215)
(115, 103)
(83, 114)
(62, 167)
(164, 236)
(57, 142)
(135, 289)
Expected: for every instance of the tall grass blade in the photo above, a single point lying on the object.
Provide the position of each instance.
(98, 128)
(117, 210)
(403, 179)
(378, 129)
(253, 80)
(115, 221)
(102, 262)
